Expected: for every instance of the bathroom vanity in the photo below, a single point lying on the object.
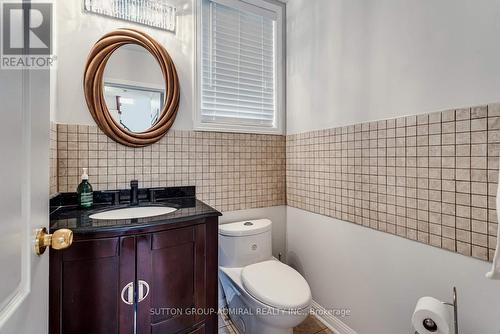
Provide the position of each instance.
(145, 275)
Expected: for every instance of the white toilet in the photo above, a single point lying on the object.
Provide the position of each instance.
(264, 296)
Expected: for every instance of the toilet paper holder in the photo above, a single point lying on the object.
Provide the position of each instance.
(454, 304)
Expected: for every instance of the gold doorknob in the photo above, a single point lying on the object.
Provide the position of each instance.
(60, 239)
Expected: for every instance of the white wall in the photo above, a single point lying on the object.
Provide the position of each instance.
(380, 277)
(352, 61)
(76, 33)
(359, 60)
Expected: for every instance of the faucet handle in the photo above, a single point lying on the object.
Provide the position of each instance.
(134, 183)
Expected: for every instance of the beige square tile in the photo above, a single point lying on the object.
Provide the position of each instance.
(480, 124)
(463, 126)
(480, 252)
(479, 111)
(493, 123)
(463, 113)
(464, 248)
(448, 115)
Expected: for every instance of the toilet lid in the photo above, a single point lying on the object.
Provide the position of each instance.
(276, 284)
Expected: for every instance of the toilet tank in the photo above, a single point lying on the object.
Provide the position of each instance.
(243, 243)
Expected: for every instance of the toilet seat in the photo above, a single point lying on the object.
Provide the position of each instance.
(277, 285)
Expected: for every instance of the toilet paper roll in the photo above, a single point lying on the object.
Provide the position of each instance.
(431, 316)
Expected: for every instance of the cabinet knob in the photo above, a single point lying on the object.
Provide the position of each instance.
(143, 290)
(128, 293)
(60, 239)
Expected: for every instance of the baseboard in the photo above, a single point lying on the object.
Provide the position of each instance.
(333, 323)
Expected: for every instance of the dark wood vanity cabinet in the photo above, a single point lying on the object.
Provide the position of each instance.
(166, 278)
(173, 264)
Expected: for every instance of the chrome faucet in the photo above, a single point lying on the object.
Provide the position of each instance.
(134, 192)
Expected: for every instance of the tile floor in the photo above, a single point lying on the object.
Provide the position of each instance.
(310, 326)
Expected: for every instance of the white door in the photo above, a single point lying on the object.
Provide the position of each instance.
(24, 175)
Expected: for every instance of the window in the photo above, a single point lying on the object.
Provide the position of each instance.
(239, 66)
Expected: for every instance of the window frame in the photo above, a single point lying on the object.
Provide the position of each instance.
(279, 61)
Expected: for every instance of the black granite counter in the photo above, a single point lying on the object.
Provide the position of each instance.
(65, 213)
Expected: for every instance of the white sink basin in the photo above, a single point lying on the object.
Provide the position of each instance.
(134, 212)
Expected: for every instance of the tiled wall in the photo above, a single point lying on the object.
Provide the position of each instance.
(430, 178)
(230, 171)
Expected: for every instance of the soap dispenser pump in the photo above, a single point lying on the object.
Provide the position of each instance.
(84, 192)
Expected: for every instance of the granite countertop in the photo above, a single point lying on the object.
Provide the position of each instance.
(65, 213)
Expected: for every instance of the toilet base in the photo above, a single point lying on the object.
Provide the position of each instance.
(250, 316)
(247, 322)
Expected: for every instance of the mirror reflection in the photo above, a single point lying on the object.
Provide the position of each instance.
(134, 88)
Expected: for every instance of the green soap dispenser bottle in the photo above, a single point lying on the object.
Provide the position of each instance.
(84, 192)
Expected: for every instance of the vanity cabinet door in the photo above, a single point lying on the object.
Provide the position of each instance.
(171, 269)
(86, 283)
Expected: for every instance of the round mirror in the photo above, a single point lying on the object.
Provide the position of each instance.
(131, 87)
(134, 89)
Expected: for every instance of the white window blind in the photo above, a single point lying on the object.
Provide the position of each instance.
(238, 64)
